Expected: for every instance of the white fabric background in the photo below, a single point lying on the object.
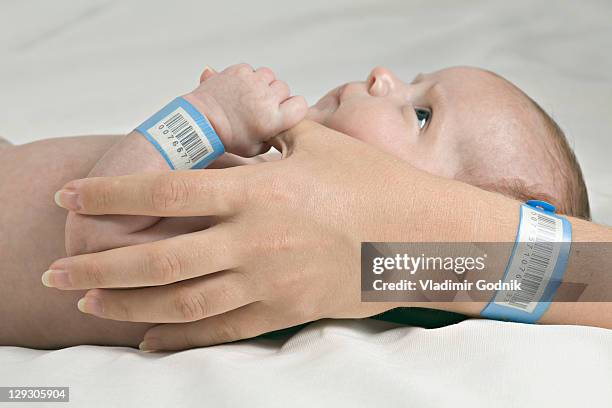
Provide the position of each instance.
(341, 363)
(101, 66)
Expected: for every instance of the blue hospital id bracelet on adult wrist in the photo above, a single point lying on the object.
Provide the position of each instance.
(538, 262)
(183, 136)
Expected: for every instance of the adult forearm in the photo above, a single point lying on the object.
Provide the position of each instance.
(287, 246)
(467, 214)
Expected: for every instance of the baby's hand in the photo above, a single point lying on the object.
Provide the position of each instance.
(246, 107)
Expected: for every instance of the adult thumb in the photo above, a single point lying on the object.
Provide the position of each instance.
(296, 138)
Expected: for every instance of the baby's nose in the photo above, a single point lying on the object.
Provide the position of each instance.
(381, 82)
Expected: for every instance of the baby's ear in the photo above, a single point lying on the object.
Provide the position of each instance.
(207, 73)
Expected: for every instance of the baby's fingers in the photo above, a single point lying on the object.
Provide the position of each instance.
(266, 74)
(292, 111)
(207, 73)
(280, 89)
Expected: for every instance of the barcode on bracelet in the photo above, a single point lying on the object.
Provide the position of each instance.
(539, 242)
(182, 139)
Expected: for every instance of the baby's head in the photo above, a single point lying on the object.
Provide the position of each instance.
(462, 123)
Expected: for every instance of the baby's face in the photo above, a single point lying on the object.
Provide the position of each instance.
(462, 123)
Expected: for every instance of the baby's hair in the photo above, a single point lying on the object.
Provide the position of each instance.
(572, 199)
(575, 199)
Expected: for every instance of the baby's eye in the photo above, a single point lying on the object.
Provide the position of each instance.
(423, 116)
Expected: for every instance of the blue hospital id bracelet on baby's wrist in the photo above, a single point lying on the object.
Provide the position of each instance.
(183, 136)
(538, 262)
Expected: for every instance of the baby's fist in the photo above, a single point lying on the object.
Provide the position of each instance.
(247, 107)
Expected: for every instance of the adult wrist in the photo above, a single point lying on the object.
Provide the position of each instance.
(469, 214)
(449, 210)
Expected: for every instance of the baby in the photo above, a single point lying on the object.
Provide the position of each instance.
(462, 123)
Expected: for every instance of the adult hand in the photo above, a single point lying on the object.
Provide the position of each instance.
(285, 249)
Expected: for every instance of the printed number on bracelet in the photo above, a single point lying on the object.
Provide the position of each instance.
(181, 138)
(532, 265)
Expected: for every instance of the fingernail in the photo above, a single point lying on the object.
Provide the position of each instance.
(148, 346)
(56, 279)
(90, 305)
(68, 199)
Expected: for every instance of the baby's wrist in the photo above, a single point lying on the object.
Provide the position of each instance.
(214, 113)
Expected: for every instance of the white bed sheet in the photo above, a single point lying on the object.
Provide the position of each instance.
(341, 363)
(100, 66)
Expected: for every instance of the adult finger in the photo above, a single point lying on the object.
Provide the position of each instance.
(246, 322)
(207, 73)
(233, 160)
(306, 131)
(181, 302)
(156, 263)
(168, 194)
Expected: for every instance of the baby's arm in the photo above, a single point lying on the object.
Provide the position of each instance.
(31, 237)
(245, 107)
